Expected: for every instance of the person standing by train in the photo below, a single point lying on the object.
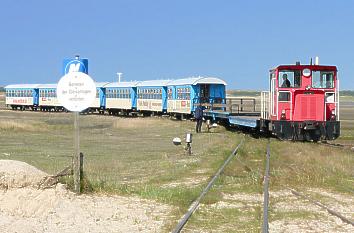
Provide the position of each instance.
(198, 115)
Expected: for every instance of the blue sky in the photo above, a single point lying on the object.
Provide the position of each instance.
(238, 41)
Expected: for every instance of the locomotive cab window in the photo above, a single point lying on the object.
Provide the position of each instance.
(330, 97)
(322, 79)
(289, 78)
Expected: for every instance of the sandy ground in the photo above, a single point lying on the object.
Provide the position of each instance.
(25, 209)
(285, 202)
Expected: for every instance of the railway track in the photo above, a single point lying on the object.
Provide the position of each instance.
(265, 226)
(193, 207)
(337, 145)
(266, 179)
(324, 143)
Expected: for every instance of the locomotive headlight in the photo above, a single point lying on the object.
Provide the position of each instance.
(333, 114)
(306, 72)
(283, 116)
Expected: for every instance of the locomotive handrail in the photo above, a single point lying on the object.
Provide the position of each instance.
(337, 100)
(291, 106)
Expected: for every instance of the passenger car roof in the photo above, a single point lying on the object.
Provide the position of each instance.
(53, 85)
(121, 84)
(22, 86)
(197, 80)
(153, 83)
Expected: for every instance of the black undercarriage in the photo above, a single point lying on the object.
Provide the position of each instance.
(305, 130)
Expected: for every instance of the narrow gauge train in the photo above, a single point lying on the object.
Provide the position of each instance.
(301, 104)
(177, 97)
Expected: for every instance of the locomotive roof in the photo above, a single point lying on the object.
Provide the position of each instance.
(311, 67)
(22, 86)
(121, 84)
(197, 80)
(153, 83)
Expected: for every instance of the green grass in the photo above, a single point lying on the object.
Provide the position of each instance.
(295, 165)
(135, 156)
(121, 155)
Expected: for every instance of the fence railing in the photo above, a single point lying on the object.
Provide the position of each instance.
(265, 104)
(229, 104)
(211, 104)
(241, 104)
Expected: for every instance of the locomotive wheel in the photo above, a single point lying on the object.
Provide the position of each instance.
(307, 136)
(311, 136)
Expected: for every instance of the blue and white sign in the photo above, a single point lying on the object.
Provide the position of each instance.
(76, 91)
(75, 65)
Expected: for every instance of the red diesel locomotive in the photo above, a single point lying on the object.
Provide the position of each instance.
(302, 103)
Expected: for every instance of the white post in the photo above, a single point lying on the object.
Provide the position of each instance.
(119, 76)
(262, 104)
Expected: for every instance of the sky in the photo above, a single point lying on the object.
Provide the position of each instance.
(237, 41)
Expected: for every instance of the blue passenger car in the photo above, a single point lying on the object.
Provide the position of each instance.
(99, 104)
(185, 94)
(121, 97)
(152, 96)
(22, 96)
(48, 100)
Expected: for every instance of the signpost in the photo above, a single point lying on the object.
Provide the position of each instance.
(76, 91)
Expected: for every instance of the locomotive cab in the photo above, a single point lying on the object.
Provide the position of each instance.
(304, 102)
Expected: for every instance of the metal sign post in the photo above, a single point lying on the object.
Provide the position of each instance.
(76, 158)
(76, 91)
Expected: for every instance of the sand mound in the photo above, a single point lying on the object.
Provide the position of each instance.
(25, 209)
(17, 174)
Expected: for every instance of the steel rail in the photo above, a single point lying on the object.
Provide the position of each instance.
(336, 145)
(196, 203)
(265, 227)
(332, 212)
(294, 192)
